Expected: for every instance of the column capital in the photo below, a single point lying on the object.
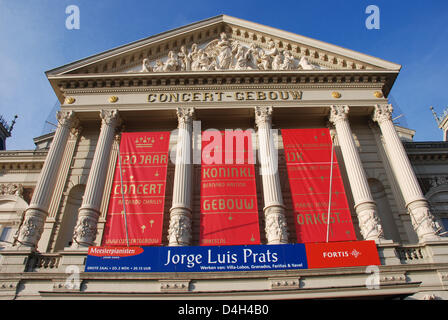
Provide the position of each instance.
(110, 117)
(263, 115)
(338, 113)
(185, 115)
(382, 112)
(67, 119)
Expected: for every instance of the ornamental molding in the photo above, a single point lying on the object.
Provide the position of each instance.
(437, 181)
(232, 87)
(284, 283)
(338, 113)
(110, 117)
(174, 285)
(263, 115)
(388, 278)
(11, 189)
(110, 83)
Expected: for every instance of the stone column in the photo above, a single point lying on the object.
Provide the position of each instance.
(365, 206)
(36, 213)
(179, 232)
(274, 209)
(86, 226)
(423, 221)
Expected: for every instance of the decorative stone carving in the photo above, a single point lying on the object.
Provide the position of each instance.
(438, 181)
(185, 115)
(276, 226)
(11, 189)
(369, 225)
(32, 227)
(86, 228)
(305, 64)
(228, 54)
(174, 285)
(424, 222)
(284, 283)
(383, 112)
(179, 231)
(110, 117)
(67, 119)
(338, 113)
(263, 115)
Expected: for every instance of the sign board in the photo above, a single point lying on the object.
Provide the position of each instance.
(196, 259)
(232, 258)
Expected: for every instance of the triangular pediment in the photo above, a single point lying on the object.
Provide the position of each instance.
(224, 43)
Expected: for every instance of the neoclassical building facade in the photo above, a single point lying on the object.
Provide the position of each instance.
(223, 73)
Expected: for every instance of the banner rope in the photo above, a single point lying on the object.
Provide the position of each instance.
(122, 196)
(331, 182)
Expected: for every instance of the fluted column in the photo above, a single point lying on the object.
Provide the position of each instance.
(86, 226)
(36, 213)
(179, 232)
(423, 221)
(274, 209)
(365, 206)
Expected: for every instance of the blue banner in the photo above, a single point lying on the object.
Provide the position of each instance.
(196, 259)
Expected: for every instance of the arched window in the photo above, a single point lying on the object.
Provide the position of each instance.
(438, 201)
(12, 208)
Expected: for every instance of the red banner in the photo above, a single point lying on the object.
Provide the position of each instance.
(342, 254)
(308, 160)
(144, 160)
(229, 211)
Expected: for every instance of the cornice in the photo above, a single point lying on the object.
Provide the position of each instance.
(138, 82)
(427, 151)
(22, 161)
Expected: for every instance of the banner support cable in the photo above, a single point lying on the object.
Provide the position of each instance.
(122, 196)
(331, 182)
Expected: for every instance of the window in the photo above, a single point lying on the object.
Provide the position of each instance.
(5, 236)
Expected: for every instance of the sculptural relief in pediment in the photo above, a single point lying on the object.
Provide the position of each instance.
(226, 54)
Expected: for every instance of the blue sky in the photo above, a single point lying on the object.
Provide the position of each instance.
(34, 39)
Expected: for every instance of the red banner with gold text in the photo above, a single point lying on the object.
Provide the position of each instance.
(308, 160)
(229, 211)
(144, 160)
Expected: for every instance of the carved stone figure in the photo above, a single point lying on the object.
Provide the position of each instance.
(201, 61)
(241, 56)
(185, 59)
(225, 52)
(277, 62)
(288, 61)
(172, 64)
(305, 64)
(145, 66)
(158, 67)
(253, 56)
